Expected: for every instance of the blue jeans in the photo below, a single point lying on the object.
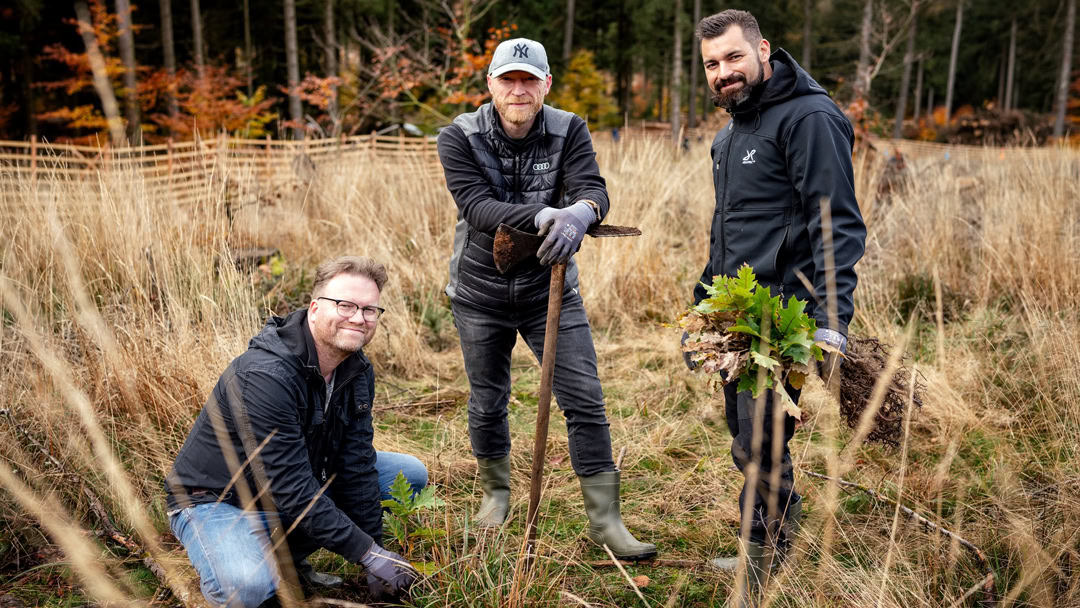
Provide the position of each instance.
(230, 547)
(486, 342)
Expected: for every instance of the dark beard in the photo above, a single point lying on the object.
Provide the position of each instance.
(729, 101)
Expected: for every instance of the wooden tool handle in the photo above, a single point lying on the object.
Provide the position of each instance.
(543, 405)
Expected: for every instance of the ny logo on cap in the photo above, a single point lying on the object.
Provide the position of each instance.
(521, 51)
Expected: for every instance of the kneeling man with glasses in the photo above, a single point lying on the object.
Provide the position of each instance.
(280, 460)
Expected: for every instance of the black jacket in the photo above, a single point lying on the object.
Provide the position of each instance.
(495, 179)
(786, 150)
(275, 390)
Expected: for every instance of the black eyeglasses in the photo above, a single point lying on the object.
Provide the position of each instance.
(347, 309)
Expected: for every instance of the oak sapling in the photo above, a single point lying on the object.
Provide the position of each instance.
(741, 331)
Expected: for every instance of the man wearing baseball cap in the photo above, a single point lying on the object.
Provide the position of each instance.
(519, 162)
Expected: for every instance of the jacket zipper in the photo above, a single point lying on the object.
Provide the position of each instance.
(517, 199)
(723, 201)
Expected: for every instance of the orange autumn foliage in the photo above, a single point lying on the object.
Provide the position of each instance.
(214, 104)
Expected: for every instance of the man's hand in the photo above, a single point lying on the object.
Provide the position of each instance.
(564, 229)
(686, 355)
(388, 574)
(831, 365)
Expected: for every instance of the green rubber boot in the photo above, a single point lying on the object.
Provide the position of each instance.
(495, 480)
(761, 560)
(601, 493)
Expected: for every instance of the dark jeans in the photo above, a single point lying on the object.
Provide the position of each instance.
(740, 409)
(488, 338)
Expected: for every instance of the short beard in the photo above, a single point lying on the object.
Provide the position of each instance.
(515, 116)
(730, 100)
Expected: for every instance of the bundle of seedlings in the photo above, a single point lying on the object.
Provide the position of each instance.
(741, 332)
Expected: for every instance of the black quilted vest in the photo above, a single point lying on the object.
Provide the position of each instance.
(527, 171)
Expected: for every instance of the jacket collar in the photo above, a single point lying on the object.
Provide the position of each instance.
(538, 129)
(296, 335)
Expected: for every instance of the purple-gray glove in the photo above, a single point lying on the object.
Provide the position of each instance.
(831, 364)
(564, 229)
(388, 574)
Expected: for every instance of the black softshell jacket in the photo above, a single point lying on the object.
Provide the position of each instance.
(274, 396)
(786, 150)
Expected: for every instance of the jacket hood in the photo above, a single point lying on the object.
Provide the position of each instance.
(788, 81)
(290, 338)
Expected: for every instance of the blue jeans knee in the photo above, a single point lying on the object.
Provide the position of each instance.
(389, 464)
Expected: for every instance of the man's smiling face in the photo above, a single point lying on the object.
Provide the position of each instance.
(518, 95)
(734, 66)
(334, 333)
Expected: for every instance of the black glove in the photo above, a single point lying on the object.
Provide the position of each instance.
(564, 229)
(829, 368)
(686, 355)
(388, 574)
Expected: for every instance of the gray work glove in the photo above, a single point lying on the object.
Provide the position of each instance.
(686, 355)
(831, 365)
(564, 229)
(388, 574)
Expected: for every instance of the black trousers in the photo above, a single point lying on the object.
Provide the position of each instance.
(774, 489)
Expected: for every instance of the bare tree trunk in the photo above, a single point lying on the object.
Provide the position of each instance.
(101, 79)
(292, 64)
(676, 74)
(905, 78)
(949, 87)
(918, 91)
(661, 84)
(1009, 73)
(1066, 71)
(695, 67)
(862, 69)
(807, 33)
(1001, 79)
(930, 104)
(331, 54)
(625, 62)
(168, 46)
(568, 34)
(249, 57)
(126, 42)
(197, 41)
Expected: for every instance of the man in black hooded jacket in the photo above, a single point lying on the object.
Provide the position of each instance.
(785, 204)
(280, 460)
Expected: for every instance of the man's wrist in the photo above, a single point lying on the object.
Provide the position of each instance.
(831, 337)
(595, 207)
(584, 212)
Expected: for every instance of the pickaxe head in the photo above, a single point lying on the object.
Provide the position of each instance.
(513, 246)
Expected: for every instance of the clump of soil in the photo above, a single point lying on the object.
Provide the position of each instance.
(865, 363)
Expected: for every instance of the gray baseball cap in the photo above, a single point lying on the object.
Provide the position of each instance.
(519, 54)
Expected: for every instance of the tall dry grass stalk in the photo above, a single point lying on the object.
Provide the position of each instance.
(122, 305)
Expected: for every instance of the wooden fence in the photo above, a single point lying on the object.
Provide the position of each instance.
(186, 170)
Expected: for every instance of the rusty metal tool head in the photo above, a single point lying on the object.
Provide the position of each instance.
(512, 246)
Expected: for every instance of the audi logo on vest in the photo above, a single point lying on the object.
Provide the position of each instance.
(541, 166)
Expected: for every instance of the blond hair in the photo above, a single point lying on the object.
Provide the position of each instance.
(348, 264)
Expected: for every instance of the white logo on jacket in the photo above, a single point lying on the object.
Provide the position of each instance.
(749, 158)
(541, 166)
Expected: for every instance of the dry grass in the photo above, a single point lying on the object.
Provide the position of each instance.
(120, 309)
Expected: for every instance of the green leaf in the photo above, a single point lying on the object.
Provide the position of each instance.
(401, 490)
(798, 353)
(765, 361)
(747, 382)
(793, 316)
(746, 326)
(426, 499)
